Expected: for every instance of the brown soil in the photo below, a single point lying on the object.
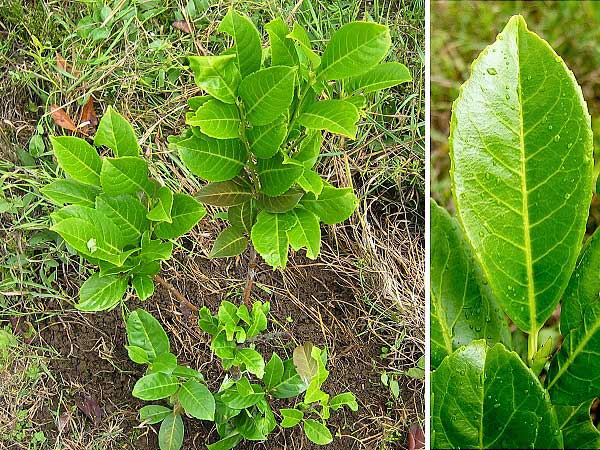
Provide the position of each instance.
(317, 307)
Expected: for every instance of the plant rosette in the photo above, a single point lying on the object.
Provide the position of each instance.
(256, 134)
(113, 214)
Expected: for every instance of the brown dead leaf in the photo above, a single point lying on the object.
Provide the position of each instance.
(90, 408)
(61, 63)
(416, 437)
(61, 118)
(88, 116)
(183, 26)
(62, 422)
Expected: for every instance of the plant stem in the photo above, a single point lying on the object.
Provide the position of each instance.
(250, 275)
(178, 295)
(532, 345)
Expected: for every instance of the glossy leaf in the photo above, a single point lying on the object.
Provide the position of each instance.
(273, 371)
(336, 116)
(230, 242)
(309, 149)
(268, 93)
(521, 146)
(572, 378)
(345, 399)
(125, 175)
(186, 213)
(197, 400)
(213, 159)
(152, 414)
(487, 398)
(461, 309)
(291, 417)
(276, 175)
(334, 205)
(270, 239)
(311, 181)
(143, 285)
(265, 140)
(243, 216)
(144, 331)
(101, 293)
(291, 383)
(77, 158)
(306, 233)
(217, 119)
(354, 49)
(117, 134)
(127, 213)
(224, 193)
(577, 427)
(282, 203)
(283, 50)
(299, 35)
(161, 212)
(70, 191)
(381, 76)
(170, 435)
(247, 46)
(155, 386)
(317, 432)
(217, 75)
(253, 361)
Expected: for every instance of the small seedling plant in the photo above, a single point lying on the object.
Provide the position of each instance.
(522, 179)
(240, 408)
(113, 214)
(256, 135)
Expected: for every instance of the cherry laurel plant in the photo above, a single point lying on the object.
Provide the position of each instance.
(257, 133)
(241, 407)
(113, 214)
(522, 159)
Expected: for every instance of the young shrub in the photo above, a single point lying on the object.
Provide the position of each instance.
(113, 214)
(522, 157)
(257, 132)
(241, 407)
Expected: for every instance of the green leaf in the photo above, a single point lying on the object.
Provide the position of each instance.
(379, 77)
(101, 293)
(270, 239)
(187, 372)
(170, 435)
(224, 193)
(162, 210)
(265, 140)
(155, 386)
(282, 203)
(155, 249)
(143, 285)
(334, 205)
(487, 398)
(217, 119)
(311, 181)
(317, 432)
(309, 149)
(354, 49)
(125, 175)
(243, 216)
(253, 361)
(247, 46)
(283, 50)
(577, 427)
(137, 354)
(314, 392)
(291, 383)
(336, 116)
(230, 242)
(197, 400)
(572, 375)
(70, 191)
(306, 233)
(268, 93)
(461, 309)
(207, 322)
(522, 192)
(291, 417)
(347, 398)
(144, 331)
(186, 213)
(223, 348)
(227, 443)
(165, 363)
(235, 399)
(273, 371)
(77, 158)
(217, 75)
(301, 38)
(277, 176)
(196, 102)
(213, 159)
(127, 213)
(152, 414)
(228, 313)
(117, 134)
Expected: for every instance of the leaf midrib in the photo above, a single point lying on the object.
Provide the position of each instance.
(260, 99)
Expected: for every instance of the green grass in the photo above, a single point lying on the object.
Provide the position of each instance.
(463, 29)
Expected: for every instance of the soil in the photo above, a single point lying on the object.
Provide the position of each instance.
(317, 306)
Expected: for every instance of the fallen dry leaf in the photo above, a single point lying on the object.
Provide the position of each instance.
(61, 63)
(61, 118)
(183, 26)
(90, 408)
(88, 116)
(416, 437)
